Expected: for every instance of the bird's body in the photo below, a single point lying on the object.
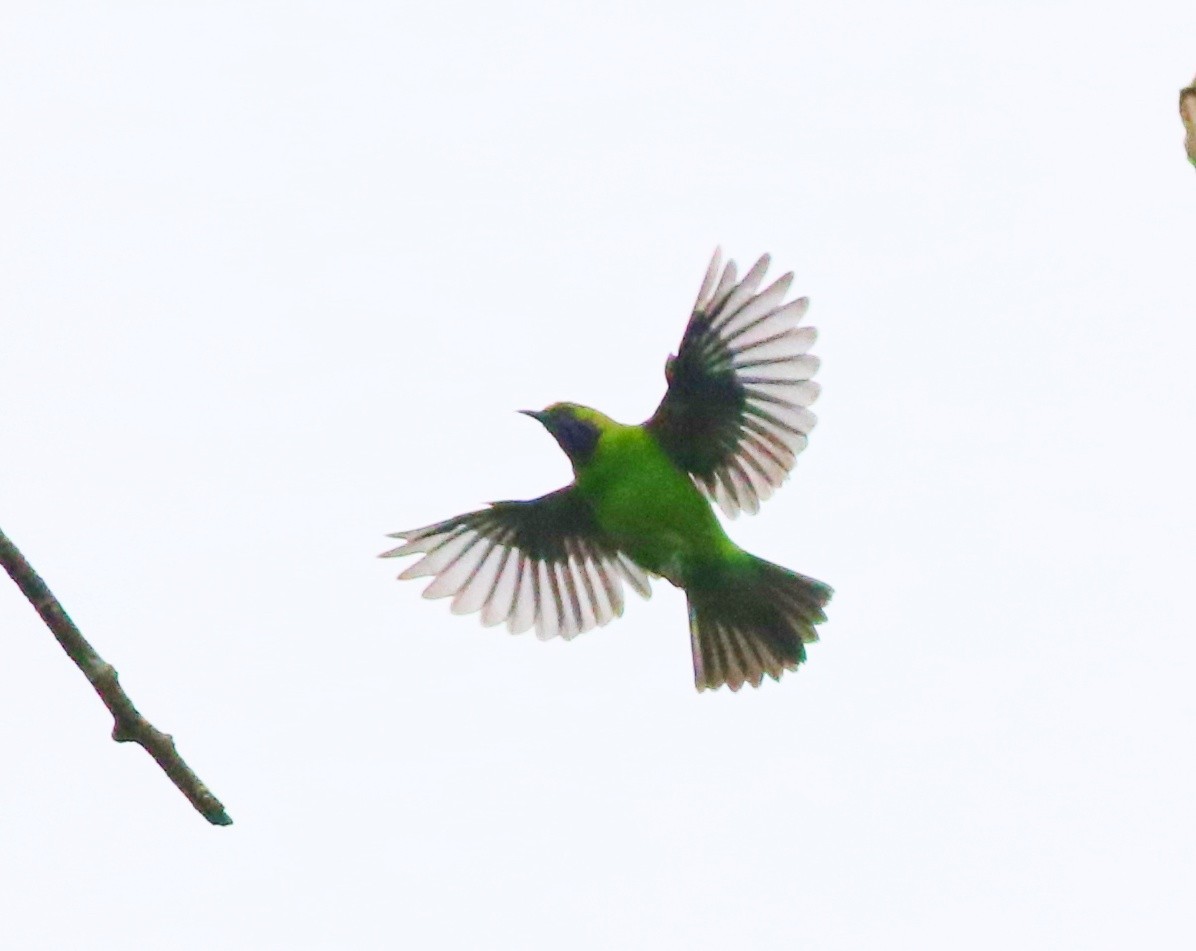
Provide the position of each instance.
(649, 507)
(1187, 112)
(728, 429)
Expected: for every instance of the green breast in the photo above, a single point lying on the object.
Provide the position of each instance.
(649, 506)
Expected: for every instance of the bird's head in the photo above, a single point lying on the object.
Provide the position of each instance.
(576, 428)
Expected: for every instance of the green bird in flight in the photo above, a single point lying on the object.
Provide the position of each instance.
(729, 429)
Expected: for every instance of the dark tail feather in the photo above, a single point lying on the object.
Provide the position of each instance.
(751, 618)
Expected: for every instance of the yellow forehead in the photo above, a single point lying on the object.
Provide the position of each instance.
(577, 411)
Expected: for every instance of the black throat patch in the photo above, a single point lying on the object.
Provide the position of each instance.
(577, 437)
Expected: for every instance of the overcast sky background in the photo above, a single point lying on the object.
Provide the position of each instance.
(275, 278)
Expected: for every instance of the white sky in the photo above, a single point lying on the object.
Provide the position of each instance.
(275, 278)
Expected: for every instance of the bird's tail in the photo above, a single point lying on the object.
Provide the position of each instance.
(748, 618)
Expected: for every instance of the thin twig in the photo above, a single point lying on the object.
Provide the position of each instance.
(129, 725)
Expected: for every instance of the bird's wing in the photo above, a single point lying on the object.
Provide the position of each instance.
(542, 563)
(736, 414)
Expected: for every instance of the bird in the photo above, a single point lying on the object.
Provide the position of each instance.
(733, 419)
(1187, 112)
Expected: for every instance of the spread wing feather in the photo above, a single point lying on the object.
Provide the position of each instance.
(542, 563)
(736, 413)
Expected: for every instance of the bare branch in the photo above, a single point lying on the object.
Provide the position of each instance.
(129, 725)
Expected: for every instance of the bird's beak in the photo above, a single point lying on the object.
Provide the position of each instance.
(538, 415)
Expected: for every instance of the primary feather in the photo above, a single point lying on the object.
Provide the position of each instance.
(736, 414)
(543, 563)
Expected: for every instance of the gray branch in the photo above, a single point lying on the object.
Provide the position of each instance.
(129, 725)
